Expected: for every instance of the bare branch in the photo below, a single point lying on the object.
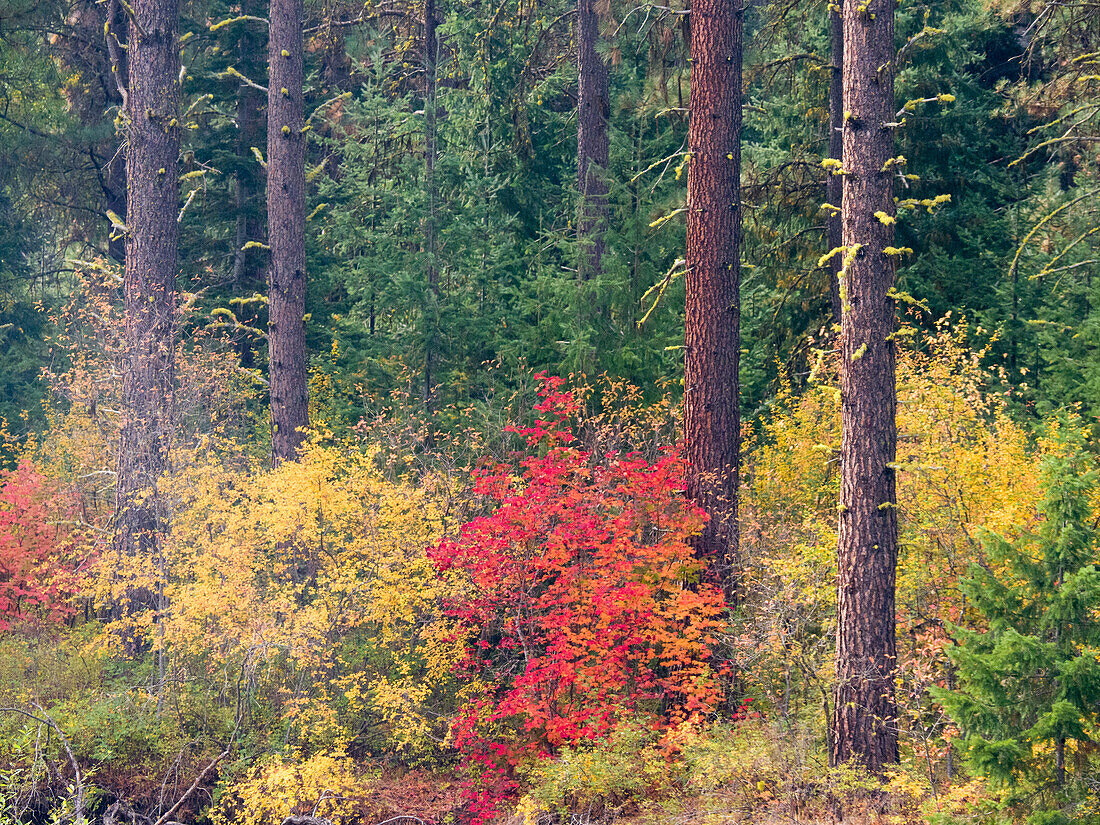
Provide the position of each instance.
(46, 719)
(198, 780)
(114, 49)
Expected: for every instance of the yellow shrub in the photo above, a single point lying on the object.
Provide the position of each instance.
(318, 565)
(327, 784)
(963, 465)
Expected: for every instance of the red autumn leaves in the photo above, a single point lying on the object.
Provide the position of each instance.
(35, 565)
(582, 596)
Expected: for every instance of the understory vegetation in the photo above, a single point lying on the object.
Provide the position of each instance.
(510, 623)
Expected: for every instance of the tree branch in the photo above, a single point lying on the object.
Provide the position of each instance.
(46, 719)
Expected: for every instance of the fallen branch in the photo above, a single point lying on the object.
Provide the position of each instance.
(198, 779)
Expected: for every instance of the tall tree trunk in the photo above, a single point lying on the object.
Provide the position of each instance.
(431, 317)
(834, 184)
(593, 143)
(113, 174)
(153, 134)
(286, 230)
(248, 274)
(865, 713)
(712, 420)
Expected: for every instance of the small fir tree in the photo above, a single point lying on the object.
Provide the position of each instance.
(1030, 682)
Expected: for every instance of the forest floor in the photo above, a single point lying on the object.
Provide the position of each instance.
(406, 798)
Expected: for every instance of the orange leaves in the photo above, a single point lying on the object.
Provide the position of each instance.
(585, 606)
(36, 562)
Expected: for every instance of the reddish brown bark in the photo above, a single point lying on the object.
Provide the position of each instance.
(865, 713)
(712, 323)
(148, 370)
(833, 186)
(286, 231)
(248, 262)
(593, 142)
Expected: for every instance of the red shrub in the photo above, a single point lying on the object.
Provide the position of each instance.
(35, 579)
(584, 603)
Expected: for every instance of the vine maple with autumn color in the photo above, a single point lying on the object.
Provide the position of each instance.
(583, 604)
(36, 563)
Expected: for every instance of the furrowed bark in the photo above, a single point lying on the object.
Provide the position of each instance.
(712, 420)
(865, 712)
(152, 239)
(286, 231)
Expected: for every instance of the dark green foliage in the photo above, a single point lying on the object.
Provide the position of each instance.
(508, 290)
(1013, 252)
(29, 270)
(508, 287)
(961, 149)
(1027, 670)
(372, 283)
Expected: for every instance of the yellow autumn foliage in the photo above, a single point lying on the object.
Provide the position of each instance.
(313, 579)
(963, 465)
(326, 784)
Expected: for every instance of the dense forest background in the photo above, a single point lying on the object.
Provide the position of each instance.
(474, 595)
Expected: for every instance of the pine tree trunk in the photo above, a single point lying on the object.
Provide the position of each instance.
(833, 186)
(248, 274)
(113, 176)
(865, 713)
(148, 370)
(593, 143)
(431, 317)
(286, 230)
(712, 324)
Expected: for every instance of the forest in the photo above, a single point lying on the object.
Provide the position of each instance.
(549, 412)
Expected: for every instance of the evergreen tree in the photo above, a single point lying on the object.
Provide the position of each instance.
(148, 372)
(593, 142)
(430, 246)
(712, 346)
(834, 183)
(248, 184)
(1027, 670)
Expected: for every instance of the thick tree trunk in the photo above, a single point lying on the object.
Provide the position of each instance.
(248, 264)
(865, 713)
(834, 184)
(593, 142)
(286, 230)
(712, 420)
(148, 370)
(431, 316)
